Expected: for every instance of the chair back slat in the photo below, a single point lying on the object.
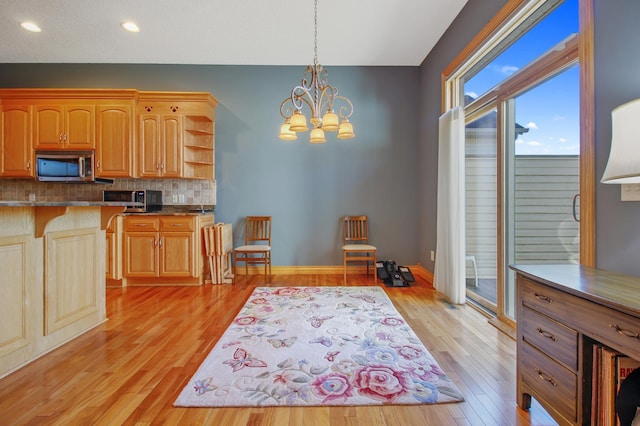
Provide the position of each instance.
(258, 228)
(356, 229)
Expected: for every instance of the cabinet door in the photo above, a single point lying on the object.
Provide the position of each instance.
(171, 162)
(64, 127)
(149, 157)
(113, 144)
(110, 255)
(48, 129)
(141, 254)
(15, 149)
(79, 127)
(177, 254)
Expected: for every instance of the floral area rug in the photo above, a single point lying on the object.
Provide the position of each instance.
(310, 346)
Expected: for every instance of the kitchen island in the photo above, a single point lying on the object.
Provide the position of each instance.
(52, 258)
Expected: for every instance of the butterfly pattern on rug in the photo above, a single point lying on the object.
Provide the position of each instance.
(296, 346)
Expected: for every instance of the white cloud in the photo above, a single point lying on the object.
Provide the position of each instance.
(531, 125)
(559, 118)
(563, 140)
(534, 143)
(474, 95)
(507, 69)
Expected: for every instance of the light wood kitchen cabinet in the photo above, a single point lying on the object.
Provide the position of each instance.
(164, 249)
(160, 145)
(113, 268)
(53, 277)
(114, 140)
(16, 151)
(64, 126)
(177, 137)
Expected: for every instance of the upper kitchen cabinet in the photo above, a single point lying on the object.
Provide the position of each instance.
(16, 152)
(160, 145)
(114, 140)
(176, 135)
(64, 125)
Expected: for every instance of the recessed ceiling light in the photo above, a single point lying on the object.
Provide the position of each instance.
(30, 26)
(130, 26)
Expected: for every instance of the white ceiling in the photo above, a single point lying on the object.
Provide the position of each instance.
(229, 32)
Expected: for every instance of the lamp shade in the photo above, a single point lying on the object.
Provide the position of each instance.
(346, 130)
(298, 122)
(330, 121)
(317, 136)
(286, 134)
(624, 158)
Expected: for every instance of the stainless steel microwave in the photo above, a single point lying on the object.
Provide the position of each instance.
(145, 200)
(67, 166)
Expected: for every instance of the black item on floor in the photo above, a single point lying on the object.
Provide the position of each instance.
(394, 275)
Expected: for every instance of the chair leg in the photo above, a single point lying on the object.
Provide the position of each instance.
(235, 266)
(345, 268)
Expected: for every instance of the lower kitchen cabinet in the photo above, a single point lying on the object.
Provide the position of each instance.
(113, 267)
(164, 249)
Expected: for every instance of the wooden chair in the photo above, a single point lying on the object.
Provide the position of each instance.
(356, 248)
(257, 245)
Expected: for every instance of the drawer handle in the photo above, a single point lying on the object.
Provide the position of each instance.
(176, 224)
(624, 332)
(140, 224)
(542, 297)
(546, 334)
(545, 377)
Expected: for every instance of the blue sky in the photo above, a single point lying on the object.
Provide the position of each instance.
(550, 110)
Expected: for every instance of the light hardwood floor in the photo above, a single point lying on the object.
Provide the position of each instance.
(130, 369)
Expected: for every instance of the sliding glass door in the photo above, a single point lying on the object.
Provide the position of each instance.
(542, 177)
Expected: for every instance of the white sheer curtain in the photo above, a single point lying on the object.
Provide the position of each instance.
(449, 274)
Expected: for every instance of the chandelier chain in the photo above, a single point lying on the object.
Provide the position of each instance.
(315, 33)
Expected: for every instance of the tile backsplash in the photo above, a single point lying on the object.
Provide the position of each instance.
(195, 192)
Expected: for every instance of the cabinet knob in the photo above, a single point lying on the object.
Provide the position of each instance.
(546, 334)
(28, 164)
(623, 332)
(544, 377)
(542, 297)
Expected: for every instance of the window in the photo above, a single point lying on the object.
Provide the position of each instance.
(521, 89)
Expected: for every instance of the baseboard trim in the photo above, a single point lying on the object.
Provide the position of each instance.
(417, 270)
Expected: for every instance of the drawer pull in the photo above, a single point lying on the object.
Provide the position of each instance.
(546, 334)
(624, 332)
(140, 224)
(177, 224)
(545, 377)
(542, 297)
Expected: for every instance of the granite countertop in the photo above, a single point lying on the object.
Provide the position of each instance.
(62, 204)
(166, 210)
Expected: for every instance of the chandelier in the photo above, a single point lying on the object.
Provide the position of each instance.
(320, 98)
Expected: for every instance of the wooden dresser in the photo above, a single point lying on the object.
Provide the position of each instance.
(562, 312)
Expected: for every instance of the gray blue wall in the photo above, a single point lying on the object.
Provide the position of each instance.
(306, 188)
(617, 80)
(390, 170)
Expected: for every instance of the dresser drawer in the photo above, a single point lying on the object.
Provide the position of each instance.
(141, 223)
(547, 300)
(176, 223)
(615, 329)
(551, 337)
(551, 383)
